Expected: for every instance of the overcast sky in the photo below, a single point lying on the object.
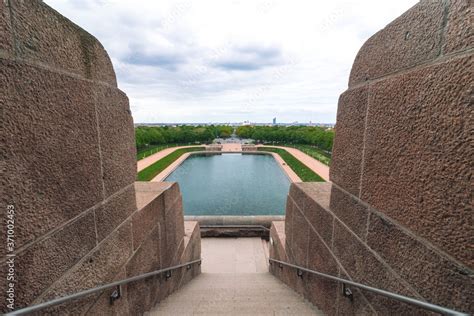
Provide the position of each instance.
(232, 60)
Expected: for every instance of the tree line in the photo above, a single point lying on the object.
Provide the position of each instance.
(160, 135)
(184, 134)
(310, 135)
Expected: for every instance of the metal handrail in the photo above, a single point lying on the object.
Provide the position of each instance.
(402, 298)
(74, 296)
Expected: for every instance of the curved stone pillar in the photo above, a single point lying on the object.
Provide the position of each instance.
(398, 214)
(68, 149)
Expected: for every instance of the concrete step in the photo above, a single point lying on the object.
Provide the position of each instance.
(234, 281)
(235, 294)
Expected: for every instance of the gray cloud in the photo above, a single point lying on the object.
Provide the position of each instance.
(251, 58)
(164, 60)
(180, 60)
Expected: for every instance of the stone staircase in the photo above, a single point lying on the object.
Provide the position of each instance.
(234, 281)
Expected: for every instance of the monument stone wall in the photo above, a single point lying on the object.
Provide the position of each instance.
(68, 152)
(398, 214)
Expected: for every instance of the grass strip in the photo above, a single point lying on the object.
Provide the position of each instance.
(312, 151)
(153, 149)
(305, 173)
(153, 170)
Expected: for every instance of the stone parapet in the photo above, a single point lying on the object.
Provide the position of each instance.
(214, 147)
(69, 155)
(329, 230)
(249, 147)
(138, 245)
(398, 214)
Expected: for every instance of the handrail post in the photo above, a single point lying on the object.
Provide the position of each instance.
(113, 297)
(348, 292)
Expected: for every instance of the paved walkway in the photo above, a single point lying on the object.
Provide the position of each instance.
(234, 255)
(232, 147)
(145, 162)
(234, 281)
(309, 161)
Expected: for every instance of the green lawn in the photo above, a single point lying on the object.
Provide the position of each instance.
(153, 170)
(305, 174)
(150, 150)
(312, 151)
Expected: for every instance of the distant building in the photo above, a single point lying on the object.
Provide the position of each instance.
(274, 120)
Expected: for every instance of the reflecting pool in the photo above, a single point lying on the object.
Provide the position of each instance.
(232, 184)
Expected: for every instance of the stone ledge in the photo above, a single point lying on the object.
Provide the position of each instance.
(150, 211)
(147, 191)
(160, 202)
(263, 220)
(192, 250)
(277, 251)
(278, 241)
(368, 246)
(311, 200)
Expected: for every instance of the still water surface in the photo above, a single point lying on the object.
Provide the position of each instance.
(232, 184)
